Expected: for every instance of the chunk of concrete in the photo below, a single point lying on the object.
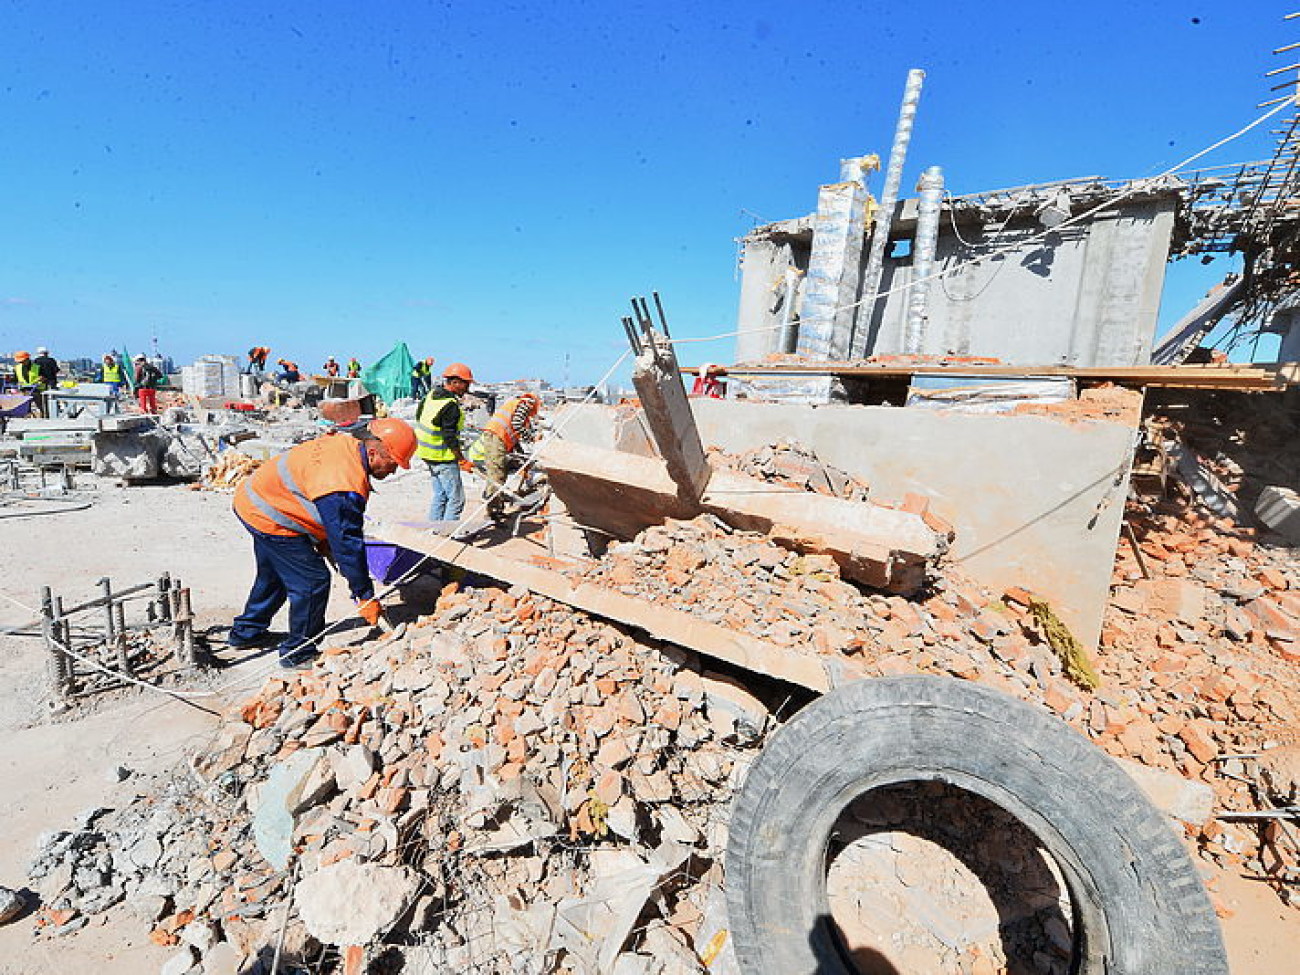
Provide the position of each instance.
(351, 903)
(1279, 508)
(623, 494)
(273, 819)
(11, 904)
(1179, 798)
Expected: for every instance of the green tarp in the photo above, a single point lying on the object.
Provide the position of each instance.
(390, 377)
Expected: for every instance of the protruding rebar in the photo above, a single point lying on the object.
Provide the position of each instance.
(123, 645)
(165, 598)
(663, 319)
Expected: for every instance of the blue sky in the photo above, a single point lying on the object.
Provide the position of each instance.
(490, 182)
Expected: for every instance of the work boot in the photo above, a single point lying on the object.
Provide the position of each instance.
(298, 661)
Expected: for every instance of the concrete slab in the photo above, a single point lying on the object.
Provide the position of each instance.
(1036, 501)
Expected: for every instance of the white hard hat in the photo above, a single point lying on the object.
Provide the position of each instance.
(42, 350)
(139, 357)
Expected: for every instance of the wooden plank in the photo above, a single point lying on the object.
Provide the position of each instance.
(1261, 376)
(503, 563)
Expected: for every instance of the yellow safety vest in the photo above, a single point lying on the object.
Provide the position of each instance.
(428, 430)
(27, 374)
(112, 374)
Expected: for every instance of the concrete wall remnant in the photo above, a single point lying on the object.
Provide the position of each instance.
(1004, 285)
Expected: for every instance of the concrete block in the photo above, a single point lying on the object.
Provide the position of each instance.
(1179, 798)
(1279, 508)
(132, 454)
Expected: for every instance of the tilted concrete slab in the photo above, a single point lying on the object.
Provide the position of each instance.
(623, 494)
(1036, 501)
(511, 562)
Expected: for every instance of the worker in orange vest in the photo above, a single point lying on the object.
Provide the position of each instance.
(500, 436)
(307, 501)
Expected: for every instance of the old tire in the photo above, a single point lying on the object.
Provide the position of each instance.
(1140, 907)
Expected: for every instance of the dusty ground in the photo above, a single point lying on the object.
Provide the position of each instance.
(54, 766)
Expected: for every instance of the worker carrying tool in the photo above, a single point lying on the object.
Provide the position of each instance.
(28, 378)
(500, 437)
(307, 503)
(438, 423)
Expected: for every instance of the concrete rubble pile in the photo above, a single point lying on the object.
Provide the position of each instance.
(794, 465)
(508, 787)
(1199, 666)
(515, 786)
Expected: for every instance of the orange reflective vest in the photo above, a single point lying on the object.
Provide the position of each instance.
(278, 499)
(500, 425)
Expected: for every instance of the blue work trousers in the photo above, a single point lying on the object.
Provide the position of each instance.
(288, 567)
(448, 492)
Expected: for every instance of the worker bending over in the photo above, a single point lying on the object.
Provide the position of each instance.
(438, 424)
(310, 502)
(500, 437)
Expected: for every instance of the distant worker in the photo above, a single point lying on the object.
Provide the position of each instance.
(354, 368)
(47, 367)
(707, 382)
(422, 377)
(500, 437)
(308, 503)
(110, 373)
(288, 372)
(28, 378)
(331, 367)
(257, 357)
(438, 423)
(147, 377)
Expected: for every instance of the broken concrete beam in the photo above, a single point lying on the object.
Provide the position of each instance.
(1279, 508)
(658, 381)
(659, 621)
(623, 494)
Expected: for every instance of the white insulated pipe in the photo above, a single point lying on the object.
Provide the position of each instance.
(885, 213)
(929, 207)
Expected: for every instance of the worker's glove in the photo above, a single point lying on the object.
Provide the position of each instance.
(370, 610)
(465, 465)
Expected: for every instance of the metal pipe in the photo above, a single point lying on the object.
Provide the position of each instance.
(923, 247)
(864, 333)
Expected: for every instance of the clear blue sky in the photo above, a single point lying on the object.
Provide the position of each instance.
(490, 181)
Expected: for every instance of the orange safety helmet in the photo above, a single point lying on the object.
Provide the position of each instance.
(397, 437)
(458, 370)
(534, 402)
(22, 356)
